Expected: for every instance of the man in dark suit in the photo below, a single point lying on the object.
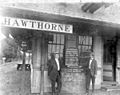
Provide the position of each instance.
(54, 74)
(91, 72)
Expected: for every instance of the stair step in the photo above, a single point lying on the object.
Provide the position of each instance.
(109, 83)
(111, 88)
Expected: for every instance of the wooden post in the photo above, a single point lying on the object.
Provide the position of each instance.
(23, 75)
(36, 63)
(118, 63)
(44, 61)
(98, 51)
(39, 51)
(42, 67)
(47, 84)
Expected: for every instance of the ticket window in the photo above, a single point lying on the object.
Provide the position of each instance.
(56, 43)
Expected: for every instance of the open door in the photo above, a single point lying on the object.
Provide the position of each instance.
(109, 60)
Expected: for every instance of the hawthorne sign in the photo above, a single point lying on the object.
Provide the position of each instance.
(36, 25)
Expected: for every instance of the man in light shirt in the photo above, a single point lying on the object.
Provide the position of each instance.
(91, 72)
(54, 74)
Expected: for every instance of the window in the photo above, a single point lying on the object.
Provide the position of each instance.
(84, 47)
(85, 43)
(56, 44)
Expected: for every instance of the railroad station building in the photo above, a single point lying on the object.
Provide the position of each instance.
(72, 30)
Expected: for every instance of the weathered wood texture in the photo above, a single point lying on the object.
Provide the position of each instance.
(118, 62)
(73, 81)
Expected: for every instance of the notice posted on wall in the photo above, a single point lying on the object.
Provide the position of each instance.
(71, 55)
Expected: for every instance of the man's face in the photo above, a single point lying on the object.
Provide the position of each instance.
(56, 56)
(91, 56)
(49, 57)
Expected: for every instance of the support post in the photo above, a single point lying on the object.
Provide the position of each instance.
(23, 75)
(118, 62)
(42, 66)
(36, 63)
(44, 62)
(39, 51)
(98, 50)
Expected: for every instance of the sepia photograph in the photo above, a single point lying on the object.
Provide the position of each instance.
(59, 47)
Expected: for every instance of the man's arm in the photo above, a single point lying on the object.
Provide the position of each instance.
(49, 66)
(96, 67)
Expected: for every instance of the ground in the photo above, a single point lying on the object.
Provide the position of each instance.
(11, 80)
(13, 83)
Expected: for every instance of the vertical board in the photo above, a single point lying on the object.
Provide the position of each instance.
(36, 63)
(118, 63)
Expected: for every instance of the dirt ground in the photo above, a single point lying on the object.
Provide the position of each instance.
(13, 83)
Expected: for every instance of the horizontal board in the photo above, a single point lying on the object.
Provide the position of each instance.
(107, 78)
(107, 67)
(107, 70)
(110, 74)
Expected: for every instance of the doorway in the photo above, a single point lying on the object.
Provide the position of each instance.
(109, 59)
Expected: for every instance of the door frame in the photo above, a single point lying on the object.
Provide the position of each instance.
(111, 44)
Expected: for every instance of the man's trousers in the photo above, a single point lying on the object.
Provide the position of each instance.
(89, 78)
(59, 84)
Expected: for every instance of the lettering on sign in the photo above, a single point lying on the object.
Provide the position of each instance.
(36, 25)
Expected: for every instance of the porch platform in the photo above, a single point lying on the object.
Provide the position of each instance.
(96, 92)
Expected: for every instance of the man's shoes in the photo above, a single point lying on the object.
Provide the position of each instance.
(53, 93)
(92, 90)
(58, 93)
(86, 94)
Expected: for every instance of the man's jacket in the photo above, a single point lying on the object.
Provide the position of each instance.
(93, 68)
(52, 69)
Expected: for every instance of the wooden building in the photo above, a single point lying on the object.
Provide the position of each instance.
(72, 30)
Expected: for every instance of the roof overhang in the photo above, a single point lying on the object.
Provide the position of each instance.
(47, 16)
(79, 21)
